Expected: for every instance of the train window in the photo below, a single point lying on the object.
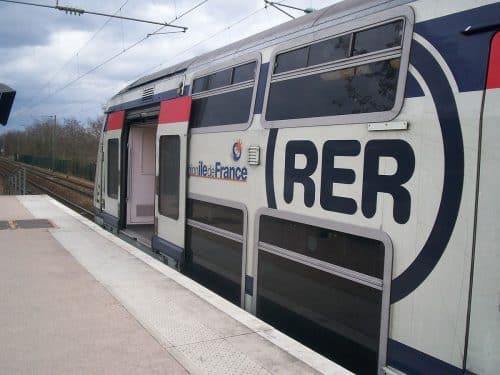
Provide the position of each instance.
(291, 60)
(219, 79)
(200, 84)
(231, 104)
(232, 107)
(169, 168)
(334, 316)
(113, 160)
(215, 262)
(378, 38)
(214, 247)
(344, 84)
(324, 288)
(360, 254)
(227, 218)
(244, 72)
(359, 89)
(329, 50)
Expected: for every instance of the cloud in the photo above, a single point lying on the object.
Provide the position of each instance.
(39, 47)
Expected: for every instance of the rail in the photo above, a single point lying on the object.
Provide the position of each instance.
(70, 191)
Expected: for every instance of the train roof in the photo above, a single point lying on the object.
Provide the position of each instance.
(341, 11)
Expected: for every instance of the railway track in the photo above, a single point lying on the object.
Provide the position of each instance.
(71, 191)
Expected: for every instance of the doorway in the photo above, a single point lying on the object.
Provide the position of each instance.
(141, 181)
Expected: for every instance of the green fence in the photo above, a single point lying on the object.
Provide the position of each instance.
(73, 167)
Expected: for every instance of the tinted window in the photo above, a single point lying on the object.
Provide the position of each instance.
(222, 109)
(219, 79)
(329, 50)
(169, 176)
(357, 253)
(214, 262)
(334, 316)
(360, 89)
(378, 38)
(113, 160)
(244, 72)
(200, 84)
(223, 217)
(291, 60)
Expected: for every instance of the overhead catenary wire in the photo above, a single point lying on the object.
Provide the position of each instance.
(201, 42)
(275, 6)
(75, 55)
(112, 57)
(79, 12)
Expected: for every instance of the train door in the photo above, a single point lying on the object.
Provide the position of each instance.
(111, 167)
(171, 164)
(98, 187)
(484, 324)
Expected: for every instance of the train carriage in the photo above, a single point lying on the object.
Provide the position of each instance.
(335, 176)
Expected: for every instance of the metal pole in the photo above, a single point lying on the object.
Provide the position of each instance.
(24, 181)
(53, 131)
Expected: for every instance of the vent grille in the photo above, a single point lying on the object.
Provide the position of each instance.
(147, 94)
(254, 155)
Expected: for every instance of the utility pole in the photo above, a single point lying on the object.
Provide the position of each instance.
(52, 139)
(53, 134)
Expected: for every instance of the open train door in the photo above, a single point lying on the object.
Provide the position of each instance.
(171, 170)
(110, 171)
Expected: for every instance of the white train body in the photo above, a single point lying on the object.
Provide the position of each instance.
(383, 155)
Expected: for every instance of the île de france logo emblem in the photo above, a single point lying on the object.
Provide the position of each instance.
(237, 150)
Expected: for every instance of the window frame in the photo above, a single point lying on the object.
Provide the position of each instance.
(160, 179)
(384, 286)
(117, 195)
(242, 60)
(404, 12)
(242, 238)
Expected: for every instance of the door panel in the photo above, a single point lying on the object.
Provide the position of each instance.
(98, 187)
(484, 329)
(171, 143)
(111, 163)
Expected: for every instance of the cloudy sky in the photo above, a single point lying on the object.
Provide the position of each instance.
(50, 58)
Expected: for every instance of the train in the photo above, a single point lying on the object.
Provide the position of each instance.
(336, 176)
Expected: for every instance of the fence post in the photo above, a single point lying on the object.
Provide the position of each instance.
(23, 191)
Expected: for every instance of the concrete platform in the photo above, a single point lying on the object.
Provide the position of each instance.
(75, 299)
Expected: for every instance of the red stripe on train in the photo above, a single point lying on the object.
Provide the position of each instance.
(493, 81)
(175, 110)
(115, 120)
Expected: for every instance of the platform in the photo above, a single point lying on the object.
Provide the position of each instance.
(76, 299)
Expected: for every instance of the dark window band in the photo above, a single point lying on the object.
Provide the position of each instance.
(168, 199)
(113, 170)
(313, 91)
(230, 103)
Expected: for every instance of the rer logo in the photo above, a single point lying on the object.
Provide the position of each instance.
(237, 150)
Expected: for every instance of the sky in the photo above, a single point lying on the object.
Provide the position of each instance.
(53, 60)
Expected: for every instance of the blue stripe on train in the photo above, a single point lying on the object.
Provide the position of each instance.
(261, 88)
(412, 89)
(466, 55)
(157, 98)
(413, 361)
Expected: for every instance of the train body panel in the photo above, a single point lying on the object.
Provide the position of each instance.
(390, 184)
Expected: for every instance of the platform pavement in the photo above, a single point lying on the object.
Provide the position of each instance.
(75, 299)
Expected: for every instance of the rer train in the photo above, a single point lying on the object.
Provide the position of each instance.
(335, 175)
